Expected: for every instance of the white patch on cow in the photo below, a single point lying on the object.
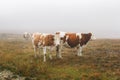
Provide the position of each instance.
(57, 39)
(39, 43)
(66, 43)
(44, 34)
(79, 34)
(62, 34)
(67, 37)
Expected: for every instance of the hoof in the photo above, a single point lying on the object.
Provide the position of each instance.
(60, 57)
(79, 55)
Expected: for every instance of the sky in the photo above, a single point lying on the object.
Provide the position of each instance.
(101, 17)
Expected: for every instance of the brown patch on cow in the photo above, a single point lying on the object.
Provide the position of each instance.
(62, 38)
(72, 40)
(85, 38)
(48, 40)
(36, 39)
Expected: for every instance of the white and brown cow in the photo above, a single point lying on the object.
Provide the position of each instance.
(41, 40)
(59, 35)
(73, 40)
(35, 38)
(47, 41)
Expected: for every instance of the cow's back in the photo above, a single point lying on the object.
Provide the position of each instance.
(36, 39)
(49, 40)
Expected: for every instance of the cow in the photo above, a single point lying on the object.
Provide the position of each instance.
(59, 35)
(42, 40)
(47, 41)
(74, 40)
(35, 38)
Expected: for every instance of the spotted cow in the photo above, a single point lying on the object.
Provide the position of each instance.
(35, 38)
(42, 40)
(74, 40)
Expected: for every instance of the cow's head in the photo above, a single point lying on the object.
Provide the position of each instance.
(26, 35)
(59, 37)
(92, 36)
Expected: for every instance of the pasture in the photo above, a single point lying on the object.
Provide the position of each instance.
(100, 61)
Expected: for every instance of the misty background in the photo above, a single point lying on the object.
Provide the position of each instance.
(102, 17)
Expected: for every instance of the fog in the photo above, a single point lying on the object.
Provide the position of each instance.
(101, 17)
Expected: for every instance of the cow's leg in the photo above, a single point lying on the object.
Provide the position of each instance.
(57, 51)
(60, 50)
(35, 51)
(44, 53)
(51, 49)
(39, 48)
(80, 51)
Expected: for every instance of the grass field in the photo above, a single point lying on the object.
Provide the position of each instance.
(100, 61)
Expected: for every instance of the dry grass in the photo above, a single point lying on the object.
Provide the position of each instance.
(100, 61)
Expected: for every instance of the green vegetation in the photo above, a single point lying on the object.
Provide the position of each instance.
(100, 61)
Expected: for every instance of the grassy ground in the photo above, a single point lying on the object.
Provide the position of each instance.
(100, 61)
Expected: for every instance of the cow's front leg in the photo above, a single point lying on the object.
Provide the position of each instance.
(35, 51)
(44, 53)
(58, 51)
(80, 51)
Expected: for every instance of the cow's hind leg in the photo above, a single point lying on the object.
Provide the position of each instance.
(50, 52)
